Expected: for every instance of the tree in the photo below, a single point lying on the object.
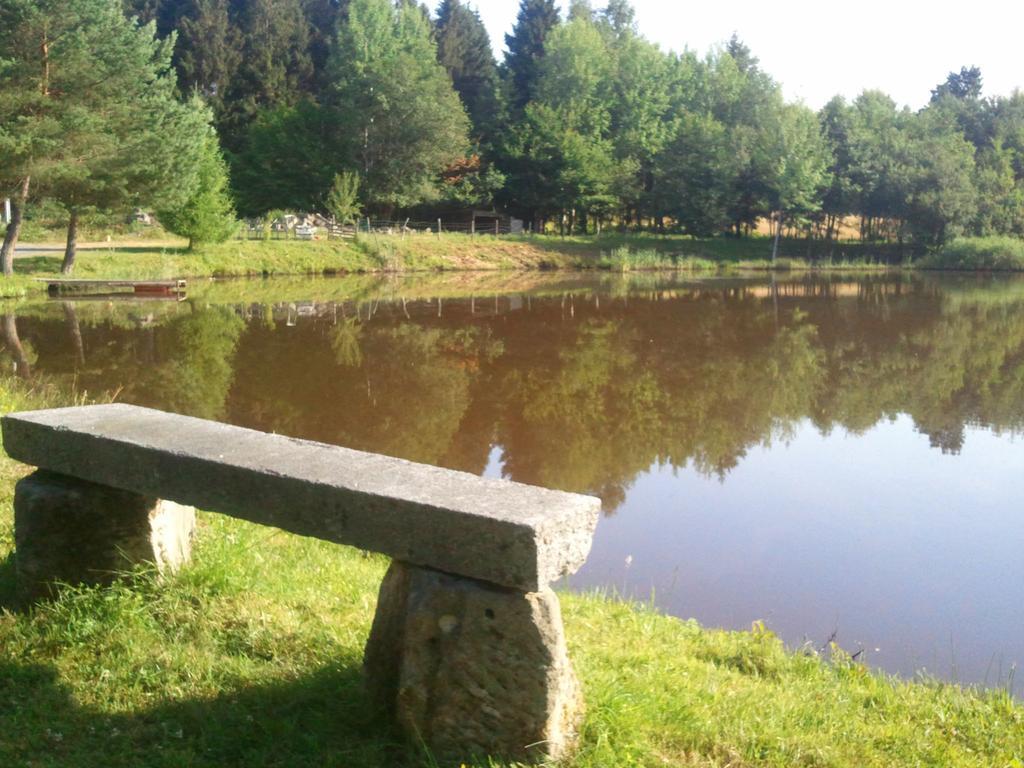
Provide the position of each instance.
(620, 17)
(941, 198)
(640, 106)
(208, 52)
(570, 120)
(125, 139)
(839, 199)
(290, 157)
(343, 198)
(276, 67)
(694, 175)
(525, 45)
(35, 35)
(244, 56)
(398, 120)
(464, 50)
(801, 163)
(879, 163)
(965, 84)
(208, 215)
(740, 52)
(99, 123)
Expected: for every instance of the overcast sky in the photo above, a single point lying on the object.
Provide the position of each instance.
(817, 49)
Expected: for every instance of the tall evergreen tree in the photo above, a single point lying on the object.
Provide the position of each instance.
(208, 52)
(965, 84)
(99, 124)
(464, 50)
(620, 17)
(525, 46)
(118, 134)
(207, 215)
(28, 130)
(322, 18)
(276, 67)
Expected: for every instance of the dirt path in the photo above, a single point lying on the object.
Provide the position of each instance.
(27, 250)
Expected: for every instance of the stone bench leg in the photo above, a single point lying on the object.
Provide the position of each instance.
(470, 668)
(69, 531)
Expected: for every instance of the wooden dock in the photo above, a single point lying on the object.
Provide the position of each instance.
(144, 287)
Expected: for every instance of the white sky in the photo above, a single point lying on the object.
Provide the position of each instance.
(817, 49)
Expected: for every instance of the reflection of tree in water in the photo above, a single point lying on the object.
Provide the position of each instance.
(582, 400)
(19, 356)
(196, 374)
(398, 389)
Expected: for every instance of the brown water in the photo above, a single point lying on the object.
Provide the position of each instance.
(836, 458)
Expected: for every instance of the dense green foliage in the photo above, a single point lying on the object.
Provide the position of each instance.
(91, 115)
(970, 253)
(208, 215)
(585, 126)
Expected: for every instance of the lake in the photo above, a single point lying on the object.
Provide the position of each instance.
(838, 458)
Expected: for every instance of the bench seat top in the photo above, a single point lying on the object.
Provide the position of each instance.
(502, 532)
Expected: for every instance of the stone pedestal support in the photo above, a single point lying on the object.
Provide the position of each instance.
(470, 668)
(69, 531)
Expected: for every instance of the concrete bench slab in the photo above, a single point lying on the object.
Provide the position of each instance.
(501, 532)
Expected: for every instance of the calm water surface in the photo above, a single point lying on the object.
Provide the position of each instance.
(840, 459)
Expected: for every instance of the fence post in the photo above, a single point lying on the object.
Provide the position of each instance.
(497, 227)
(472, 226)
(438, 229)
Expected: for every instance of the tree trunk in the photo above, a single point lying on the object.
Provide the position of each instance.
(22, 366)
(14, 230)
(71, 250)
(71, 319)
(778, 231)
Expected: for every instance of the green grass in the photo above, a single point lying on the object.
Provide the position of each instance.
(624, 259)
(251, 657)
(422, 253)
(978, 253)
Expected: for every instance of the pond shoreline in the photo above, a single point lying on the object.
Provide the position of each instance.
(387, 254)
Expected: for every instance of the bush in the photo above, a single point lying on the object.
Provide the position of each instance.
(996, 253)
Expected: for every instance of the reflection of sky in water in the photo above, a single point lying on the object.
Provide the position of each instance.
(879, 537)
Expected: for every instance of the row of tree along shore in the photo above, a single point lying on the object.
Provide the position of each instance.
(199, 108)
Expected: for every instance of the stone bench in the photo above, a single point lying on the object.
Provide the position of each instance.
(467, 648)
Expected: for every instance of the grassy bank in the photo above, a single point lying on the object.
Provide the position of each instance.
(251, 656)
(383, 253)
(979, 253)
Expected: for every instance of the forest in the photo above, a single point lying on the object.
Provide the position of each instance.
(204, 109)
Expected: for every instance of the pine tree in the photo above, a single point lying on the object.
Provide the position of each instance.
(88, 112)
(525, 46)
(276, 67)
(208, 215)
(26, 127)
(322, 17)
(464, 50)
(208, 51)
(116, 135)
